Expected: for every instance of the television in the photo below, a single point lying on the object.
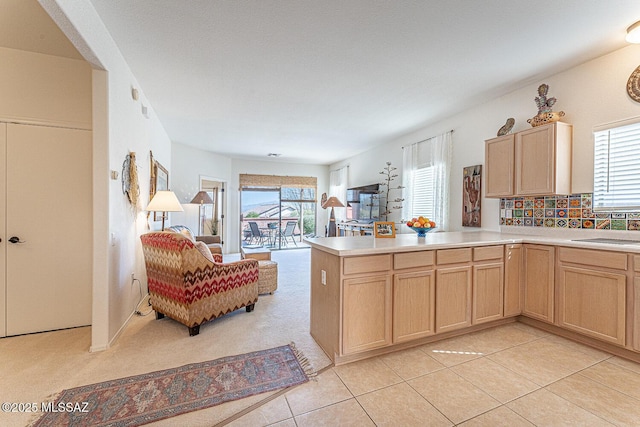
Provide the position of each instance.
(363, 203)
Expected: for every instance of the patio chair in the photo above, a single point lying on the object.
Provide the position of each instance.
(288, 232)
(256, 233)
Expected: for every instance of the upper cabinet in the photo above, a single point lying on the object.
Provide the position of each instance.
(540, 162)
(499, 165)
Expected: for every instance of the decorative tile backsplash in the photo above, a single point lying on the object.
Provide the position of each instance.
(570, 211)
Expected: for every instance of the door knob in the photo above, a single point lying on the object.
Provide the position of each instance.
(15, 239)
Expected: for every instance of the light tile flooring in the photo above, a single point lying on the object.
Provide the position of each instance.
(511, 375)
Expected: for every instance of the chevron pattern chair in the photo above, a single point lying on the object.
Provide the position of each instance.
(187, 285)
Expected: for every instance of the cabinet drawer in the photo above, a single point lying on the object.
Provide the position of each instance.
(367, 264)
(488, 252)
(636, 263)
(413, 259)
(616, 260)
(453, 256)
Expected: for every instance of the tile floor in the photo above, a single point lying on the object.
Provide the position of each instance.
(512, 375)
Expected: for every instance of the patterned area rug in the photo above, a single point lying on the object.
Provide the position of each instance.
(146, 398)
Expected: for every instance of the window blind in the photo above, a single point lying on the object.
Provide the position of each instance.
(616, 168)
(423, 193)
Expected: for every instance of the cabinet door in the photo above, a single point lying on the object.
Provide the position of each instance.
(635, 321)
(453, 298)
(538, 282)
(366, 315)
(488, 285)
(413, 305)
(499, 166)
(535, 161)
(593, 303)
(513, 280)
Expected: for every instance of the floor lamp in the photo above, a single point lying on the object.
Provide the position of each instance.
(332, 202)
(164, 201)
(202, 198)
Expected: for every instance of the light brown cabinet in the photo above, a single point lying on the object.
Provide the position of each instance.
(499, 166)
(539, 282)
(513, 280)
(488, 284)
(592, 297)
(366, 312)
(532, 162)
(413, 305)
(543, 160)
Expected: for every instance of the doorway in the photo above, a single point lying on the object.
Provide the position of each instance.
(212, 216)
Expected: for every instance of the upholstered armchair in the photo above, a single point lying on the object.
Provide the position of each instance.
(187, 285)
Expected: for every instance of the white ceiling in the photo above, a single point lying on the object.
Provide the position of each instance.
(319, 81)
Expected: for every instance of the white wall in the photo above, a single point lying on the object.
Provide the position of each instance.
(189, 165)
(124, 130)
(590, 94)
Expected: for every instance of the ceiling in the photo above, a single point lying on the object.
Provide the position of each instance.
(319, 81)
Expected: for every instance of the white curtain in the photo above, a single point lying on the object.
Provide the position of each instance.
(434, 154)
(338, 180)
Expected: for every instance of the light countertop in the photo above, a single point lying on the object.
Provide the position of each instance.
(368, 245)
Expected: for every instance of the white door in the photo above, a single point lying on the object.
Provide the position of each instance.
(48, 205)
(3, 235)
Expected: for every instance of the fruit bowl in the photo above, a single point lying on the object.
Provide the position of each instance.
(422, 232)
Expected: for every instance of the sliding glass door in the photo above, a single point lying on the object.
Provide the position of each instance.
(276, 217)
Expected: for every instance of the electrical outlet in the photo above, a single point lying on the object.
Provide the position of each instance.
(324, 277)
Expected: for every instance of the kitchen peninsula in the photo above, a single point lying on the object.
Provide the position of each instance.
(371, 296)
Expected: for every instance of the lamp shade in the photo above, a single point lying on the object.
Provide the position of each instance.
(333, 202)
(164, 201)
(633, 33)
(202, 198)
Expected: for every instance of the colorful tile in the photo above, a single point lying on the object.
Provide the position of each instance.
(588, 213)
(575, 213)
(618, 224)
(633, 224)
(575, 223)
(588, 223)
(564, 211)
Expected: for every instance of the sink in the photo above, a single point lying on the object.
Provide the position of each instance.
(609, 241)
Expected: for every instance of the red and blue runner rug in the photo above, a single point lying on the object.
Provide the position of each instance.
(146, 398)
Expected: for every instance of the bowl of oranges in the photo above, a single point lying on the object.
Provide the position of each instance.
(421, 225)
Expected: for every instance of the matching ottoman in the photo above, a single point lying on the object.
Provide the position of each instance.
(267, 276)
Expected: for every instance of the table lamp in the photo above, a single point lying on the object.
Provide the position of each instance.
(164, 201)
(202, 198)
(332, 202)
